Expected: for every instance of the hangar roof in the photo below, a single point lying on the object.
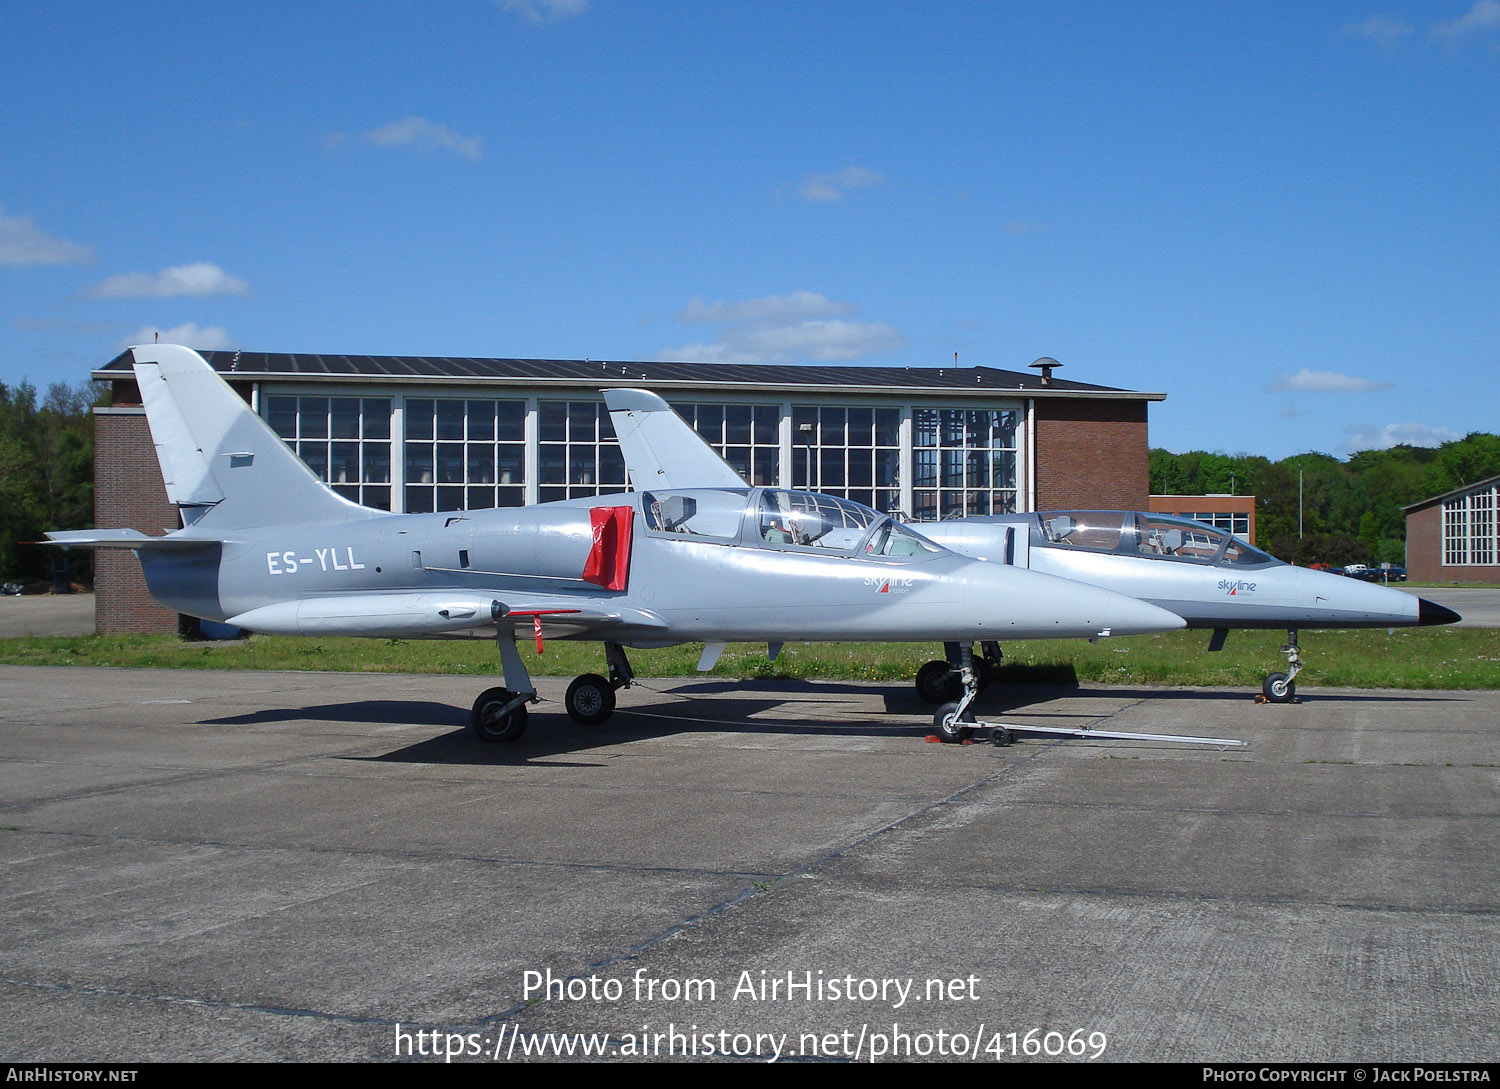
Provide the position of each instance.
(597, 374)
(1478, 485)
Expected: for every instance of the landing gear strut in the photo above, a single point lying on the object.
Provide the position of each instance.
(941, 680)
(1282, 687)
(499, 714)
(954, 722)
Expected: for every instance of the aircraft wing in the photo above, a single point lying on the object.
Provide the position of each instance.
(661, 450)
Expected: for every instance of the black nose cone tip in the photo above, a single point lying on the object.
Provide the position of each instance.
(1430, 612)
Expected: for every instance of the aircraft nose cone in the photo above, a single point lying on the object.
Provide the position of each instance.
(1430, 612)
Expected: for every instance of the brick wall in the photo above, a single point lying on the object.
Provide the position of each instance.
(1424, 552)
(1424, 544)
(1091, 455)
(128, 494)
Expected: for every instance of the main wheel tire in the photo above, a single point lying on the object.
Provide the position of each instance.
(490, 723)
(1279, 688)
(590, 700)
(938, 682)
(952, 727)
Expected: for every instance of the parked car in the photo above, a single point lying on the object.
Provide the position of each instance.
(11, 589)
(1383, 574)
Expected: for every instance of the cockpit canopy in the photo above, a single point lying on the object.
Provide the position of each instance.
(781, 519)
(1138, 533)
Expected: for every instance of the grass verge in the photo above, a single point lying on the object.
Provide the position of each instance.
(1440, 658)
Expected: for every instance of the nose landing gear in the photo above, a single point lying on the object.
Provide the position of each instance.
(1282, 687)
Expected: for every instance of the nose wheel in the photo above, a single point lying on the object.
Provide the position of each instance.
(1282, 687)
(954, 721)
(953, 724)
(1279, 688)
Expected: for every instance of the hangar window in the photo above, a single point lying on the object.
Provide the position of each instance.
(748, 437)
(464, 454)
(1471, 529)
(1234, 521)
(346, 441)
(964, 462)
(579, 455)
(854, 453)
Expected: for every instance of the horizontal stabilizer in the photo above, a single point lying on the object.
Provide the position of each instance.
(125, 538)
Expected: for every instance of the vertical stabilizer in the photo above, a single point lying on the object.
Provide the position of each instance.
(661, 450)
(221, 463)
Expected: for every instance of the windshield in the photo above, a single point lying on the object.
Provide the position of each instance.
(812, 520)
(1155, 536)
(781, 519)
(715, 515)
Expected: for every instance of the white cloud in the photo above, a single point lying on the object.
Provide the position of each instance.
(788, 307)
(1379, 30)
(823, 341)
(1306, 381)
(1369, 437)
(797, 327)
(22, 242)
(188, 334)
(824, 188)
(199, 278)
(1484, 15)
(424, 135)
(544, 11)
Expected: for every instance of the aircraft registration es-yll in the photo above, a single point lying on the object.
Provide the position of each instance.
(1208, 577)
(267, 547)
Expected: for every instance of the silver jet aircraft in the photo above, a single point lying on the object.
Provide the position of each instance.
(1208, 577)
(268, 547)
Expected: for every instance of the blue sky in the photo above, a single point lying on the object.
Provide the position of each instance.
(1285, 216)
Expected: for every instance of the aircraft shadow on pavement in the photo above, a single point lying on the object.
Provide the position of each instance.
(738, 709)
(552, 733)
(382, 712)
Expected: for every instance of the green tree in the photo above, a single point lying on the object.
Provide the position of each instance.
(1313, 507)
(46, 474)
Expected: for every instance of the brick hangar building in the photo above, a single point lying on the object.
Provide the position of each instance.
(418, 434)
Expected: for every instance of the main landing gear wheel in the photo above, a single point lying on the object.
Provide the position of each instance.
(938, 682)
(491, 722)
(951, 725)
(590, 700)
(1279, 688)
